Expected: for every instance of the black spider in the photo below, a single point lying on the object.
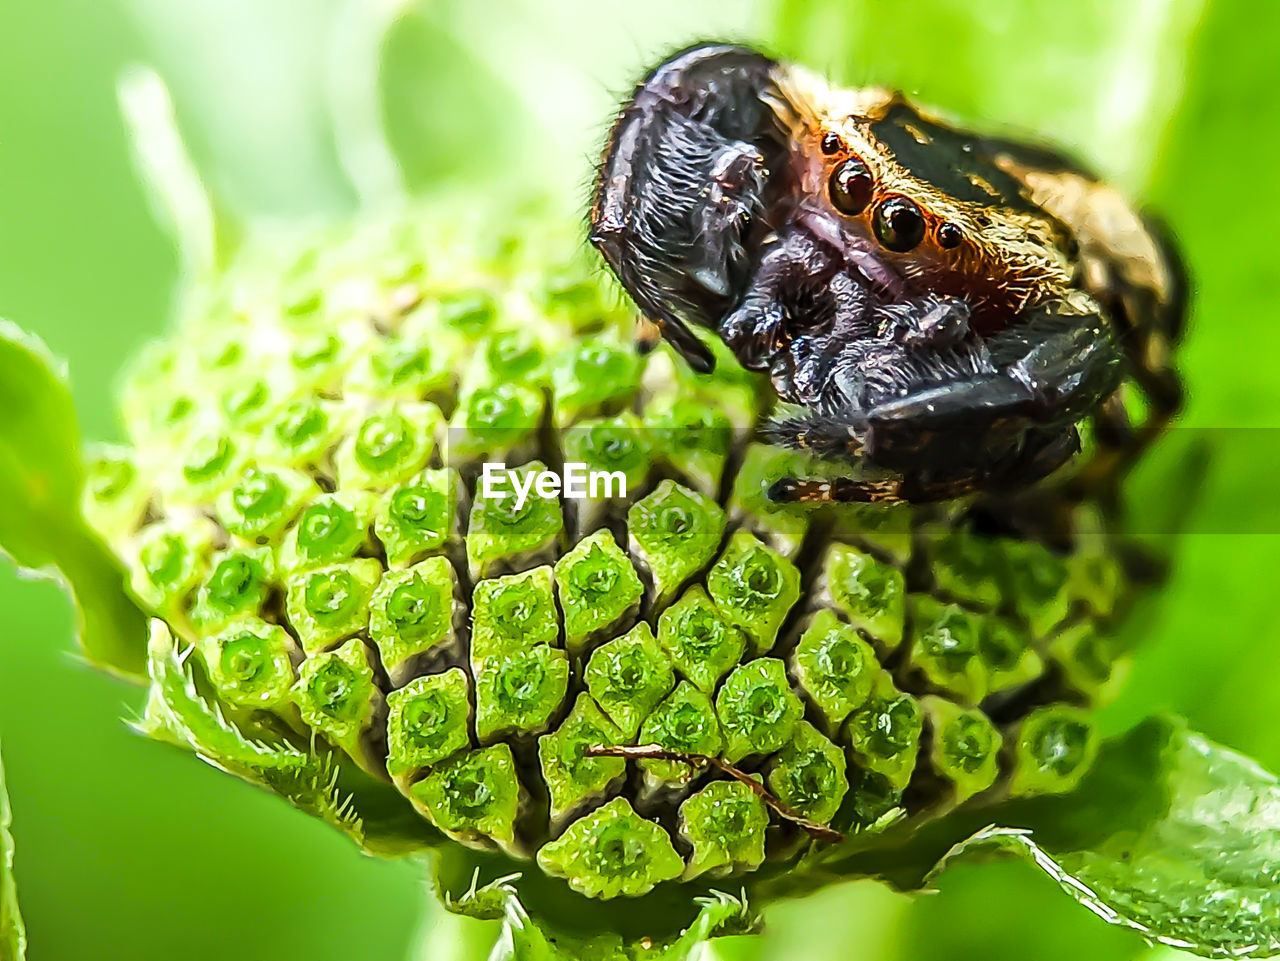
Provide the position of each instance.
(940, 307)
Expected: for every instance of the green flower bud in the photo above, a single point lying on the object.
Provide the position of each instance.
(1053, 748)
(965, 747)
(302, 433)
(725, 825)
(495, 423)
(1088, 661)
(946, 647)
(1007, 654)
(510, 356)
(212, 465)
(612, 851)
(411, 613)
(172, 420)
(336, 695)
(739, 393)
(389, 446)
(674, 533)
(427, 721)
(304, 302)
(1095, 578)
(402, 367)
(251, 664)
(572, 776)
(809, 774)
(115, 496)
(303, 410)
(754, 588)
(403, 267)
(598, 589)
(473, 794)
(237, 585)
(966, 567)
(693, 440)
(875, 801)
(418, 518)
(782, 526)
(223, 355)
(885, 733)
(148, 386)
(468, 315)
(250, 403)
(871, 594)
(885, 530)
(330, 603)
(1035, 579)
(628, 676)
(264, 502)
(503, 533)
(330, 530)
(757, 709)
(685, 722)
(518, 691)
(835, 667)
(702, 645)
(319, 358)
(568, 293)
(171, 560)
(616, 446)
(513, 613)
(594, 377)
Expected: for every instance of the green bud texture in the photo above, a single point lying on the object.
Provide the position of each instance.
(309, 515)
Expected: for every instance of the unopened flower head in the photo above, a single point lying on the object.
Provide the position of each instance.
(468, 560)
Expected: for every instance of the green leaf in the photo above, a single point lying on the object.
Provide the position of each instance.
(721, 917)
(13, 936)
(446, 936)
(1105, 85)
(179, 201)
(41, 476)
(312, 779)
(1174, 836)
(359, 34)
(1169, 834)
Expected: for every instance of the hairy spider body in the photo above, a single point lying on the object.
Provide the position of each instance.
(941, 308)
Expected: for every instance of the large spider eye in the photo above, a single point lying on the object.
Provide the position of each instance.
(851, 186)
(898, 224)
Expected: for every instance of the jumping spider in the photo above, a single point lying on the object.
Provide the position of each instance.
(941, 307)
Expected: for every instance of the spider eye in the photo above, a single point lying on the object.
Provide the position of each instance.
(830, 143)
(949, 235)
(898, 224)
(851, 186)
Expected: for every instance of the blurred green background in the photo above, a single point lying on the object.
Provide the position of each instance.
(126, 849)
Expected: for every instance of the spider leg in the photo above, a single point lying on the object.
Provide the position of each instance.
(846, 490)
(1007, 425)
(686, 343)
(648, 335)
(1154, 327)
(798, 305)
(931, 322)
(1053, 368)
(1040, 453)
(682, 187)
